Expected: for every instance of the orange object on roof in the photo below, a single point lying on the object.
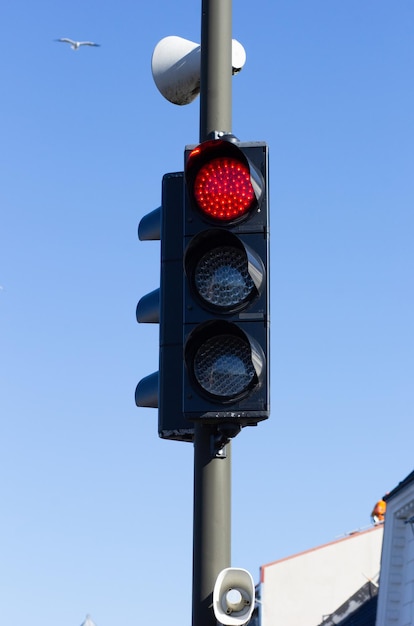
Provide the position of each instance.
(378, 512)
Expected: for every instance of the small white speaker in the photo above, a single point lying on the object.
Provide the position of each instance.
(176, 64)
(233, 597)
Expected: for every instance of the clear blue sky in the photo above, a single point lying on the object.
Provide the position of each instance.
(96, 510)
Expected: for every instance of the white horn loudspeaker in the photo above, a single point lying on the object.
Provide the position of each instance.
(176, 64)
(233, 597)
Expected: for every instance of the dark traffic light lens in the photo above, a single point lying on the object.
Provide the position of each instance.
(223, 189)
(223, 366)
(222, 279)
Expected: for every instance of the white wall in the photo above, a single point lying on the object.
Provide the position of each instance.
(301, 590)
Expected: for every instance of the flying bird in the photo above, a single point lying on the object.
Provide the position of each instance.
(75, 45)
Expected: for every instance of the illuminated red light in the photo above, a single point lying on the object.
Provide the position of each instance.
(223, 189)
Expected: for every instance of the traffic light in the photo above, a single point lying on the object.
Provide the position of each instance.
(226, 283)
(163, 389)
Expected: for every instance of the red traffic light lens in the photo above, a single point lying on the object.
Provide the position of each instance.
(223, 189)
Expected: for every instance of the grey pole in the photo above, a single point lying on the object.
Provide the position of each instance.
(212, 502)
(212, 470)
(216, 69)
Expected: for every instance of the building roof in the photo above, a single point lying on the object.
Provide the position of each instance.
(365, 616)
(348, 537)
(359, 610)
(401, 485)
(88, 621)
(334, 579)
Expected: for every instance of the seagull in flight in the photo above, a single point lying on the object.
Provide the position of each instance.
(75, 45)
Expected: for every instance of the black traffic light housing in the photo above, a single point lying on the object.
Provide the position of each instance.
(226, 283)
(163, 389)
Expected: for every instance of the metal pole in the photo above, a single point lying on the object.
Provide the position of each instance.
(216, 69)
(212, 503)
(212, 473)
